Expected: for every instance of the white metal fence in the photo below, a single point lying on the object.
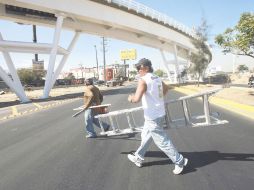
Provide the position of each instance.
(153, 14)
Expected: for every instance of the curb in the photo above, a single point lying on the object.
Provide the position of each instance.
(18, 114)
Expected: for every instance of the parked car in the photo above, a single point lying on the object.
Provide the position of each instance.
(217, 79)
(114, 82)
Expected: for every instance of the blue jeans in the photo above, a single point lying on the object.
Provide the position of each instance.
(89, 121)
(153, 130)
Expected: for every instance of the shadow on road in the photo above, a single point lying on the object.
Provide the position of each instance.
(197, 159)
(119, 137)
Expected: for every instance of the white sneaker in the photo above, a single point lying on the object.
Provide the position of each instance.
(179, 168)
(137, 161)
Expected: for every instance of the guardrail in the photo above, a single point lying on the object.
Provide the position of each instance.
(153, 14)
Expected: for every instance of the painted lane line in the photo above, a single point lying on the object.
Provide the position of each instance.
(14, 111)
(38, 105)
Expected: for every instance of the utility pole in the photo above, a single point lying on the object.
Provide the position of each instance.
(35, 41)
(81, 68)
(104, 43)
(124, 63)
(97, 66)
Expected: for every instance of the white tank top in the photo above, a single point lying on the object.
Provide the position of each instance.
(152, 100)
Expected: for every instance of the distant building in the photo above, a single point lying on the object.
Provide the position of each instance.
(213, 70)
(80, 73)
(112, 71)
(63, 75)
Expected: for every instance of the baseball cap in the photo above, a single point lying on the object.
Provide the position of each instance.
(145, 63)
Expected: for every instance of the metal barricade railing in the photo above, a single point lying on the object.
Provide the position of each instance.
(207, 118)
(153, 14)
(112, 118)
(186, 119)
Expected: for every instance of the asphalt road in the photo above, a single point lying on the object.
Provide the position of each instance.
(47, 150)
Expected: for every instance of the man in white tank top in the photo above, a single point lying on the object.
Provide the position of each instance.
(151, 91)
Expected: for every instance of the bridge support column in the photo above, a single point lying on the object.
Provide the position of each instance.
(52, 57)
(177, 78)
(166, 63)
(64, 59)
(13, 82)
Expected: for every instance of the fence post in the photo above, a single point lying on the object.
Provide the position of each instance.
(206, 109)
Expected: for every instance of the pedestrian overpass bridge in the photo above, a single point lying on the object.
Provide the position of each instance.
(125, 20)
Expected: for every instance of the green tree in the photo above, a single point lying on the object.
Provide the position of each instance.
(239, 39)
(202, 57)
(27, 76)
(159, 72)
(242, 68)
(70, 76)
(132, 75)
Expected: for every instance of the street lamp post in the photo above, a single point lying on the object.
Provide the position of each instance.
(81, 69)
(35, 40)
(96, 61)
(104, 58)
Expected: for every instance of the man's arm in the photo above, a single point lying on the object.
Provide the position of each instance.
(88, 96)
(141, 89)
(165, 88)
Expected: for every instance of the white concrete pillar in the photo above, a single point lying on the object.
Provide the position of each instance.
(8, 81)
(189, 63)
(176, 64)
(234, 61)
(15, 83)
(188, 59)
(52, 57)
(165, 62)
(64, 59)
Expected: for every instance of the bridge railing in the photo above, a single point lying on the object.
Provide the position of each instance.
(153, 14)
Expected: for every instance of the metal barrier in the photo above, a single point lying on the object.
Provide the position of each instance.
(207, 118)
(153, 14)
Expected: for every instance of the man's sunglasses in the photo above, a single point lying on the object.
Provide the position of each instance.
(138, 67)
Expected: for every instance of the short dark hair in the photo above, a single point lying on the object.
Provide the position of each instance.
(145, 63)
(89, 81)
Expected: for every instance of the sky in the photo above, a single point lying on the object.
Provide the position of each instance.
(219, 14)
